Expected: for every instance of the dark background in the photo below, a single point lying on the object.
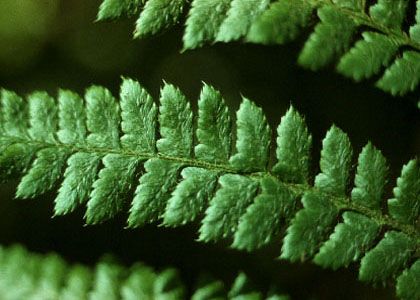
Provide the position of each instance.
(51, 44)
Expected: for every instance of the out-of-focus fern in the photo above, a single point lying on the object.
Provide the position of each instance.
(382, 48)
(25, 275)
(110, 150)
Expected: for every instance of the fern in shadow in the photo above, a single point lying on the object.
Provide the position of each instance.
(28, 275)
(383, 48)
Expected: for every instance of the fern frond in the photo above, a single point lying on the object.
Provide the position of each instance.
(383, 47)
(113, 151)
(26, 275)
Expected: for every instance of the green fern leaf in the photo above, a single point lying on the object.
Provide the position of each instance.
(189, 200)
(331, 38)
(44, 173)
(204, 21)
(405, 207)
(239, 18)
(175, 123)
(78, 283)
(73, 191)
(139, 284)
(389, 13)
(335, 162)
(402, 76)
(14, 116)
(214, 127)
(242, 196)
(407, 284)
(107, 281)
(387, 258)
(415, 29)
(309, 227)
(370, 178)
(253, 139)
(139, 133)
(348, 242)
(280, 23)
(242, 289)
(261, 222)
(72, 118)
(209, 289)
(154, 191)
(111, 9)
(368, 56)
(229, 203)
(293, 148)
(113, 184)
(265, 22)
(158, 15)
(35, 276)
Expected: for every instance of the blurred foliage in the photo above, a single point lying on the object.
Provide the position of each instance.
(51, 44)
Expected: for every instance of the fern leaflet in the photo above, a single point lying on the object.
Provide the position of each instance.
(112, 151)
(376, 52)
(28, 275)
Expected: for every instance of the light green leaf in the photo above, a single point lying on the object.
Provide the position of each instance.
(368, 56)
(44, 174)
(335, 162)
(77, 285)
(112, 187)
(243, 289)
(73, 190)
(348, 242)
(139, 284)
(293, 148)
(253, 139)
(51, 276)
(405, 207)
(158, 15)
(408, 287)
(168, 286)
(42, 117)
(139, 115)
(389, 13)
(16, 160)
(111, 9)
(14, 115)
(229, 204)
(415, 29)
(239, 18)
(102, 118)
(403, 75)
(214, 127)
(175, 123)
(280, 23)
(204, 20)
(310, 227)
(331, 38)
(372, 171)
(72, 118)
(190, 197)
(387, 258)
(355, 5)
(210, 290)
(154, 191)
(262, 221)
(107, 282)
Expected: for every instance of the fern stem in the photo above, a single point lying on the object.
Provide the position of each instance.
(342, 203)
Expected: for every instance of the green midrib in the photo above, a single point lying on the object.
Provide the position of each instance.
(342, 203)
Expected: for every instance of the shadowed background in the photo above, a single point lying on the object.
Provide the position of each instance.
(51, 44)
